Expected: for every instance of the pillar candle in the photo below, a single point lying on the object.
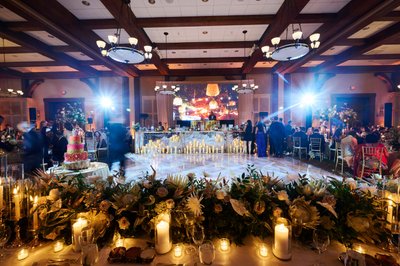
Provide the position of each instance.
(77, 228)
(163, 243)
(35, 213)
(390, 211)
(17, 202)
(1, 195)
(281, 241)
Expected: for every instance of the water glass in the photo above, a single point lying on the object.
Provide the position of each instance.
(207, 253)
(89, 249)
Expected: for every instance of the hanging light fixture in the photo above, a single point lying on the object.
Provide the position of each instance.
(6, 91)
(291, 51)
(212, 89)
(245, 86)
(177, 101)
(124, 54)
(166, 87)
(213, 104)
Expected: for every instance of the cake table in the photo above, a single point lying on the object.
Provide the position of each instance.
(95, 169)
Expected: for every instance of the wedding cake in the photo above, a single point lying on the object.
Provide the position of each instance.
(76, 158)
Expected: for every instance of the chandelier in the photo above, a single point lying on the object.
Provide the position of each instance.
(166, 87)
(124, 54)
(7, 91)
(177, 101)
(291, 51)
(245, 86)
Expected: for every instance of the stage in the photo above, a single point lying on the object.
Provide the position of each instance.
(214, 165)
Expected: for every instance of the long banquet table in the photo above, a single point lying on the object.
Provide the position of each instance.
(238, 255)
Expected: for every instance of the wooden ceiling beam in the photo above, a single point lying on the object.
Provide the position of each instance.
(59, 22)
(127, 20)
(31, 64)
(203, 45)
(361, 69)
(15, 50)
(350, 19)
(391, 16)
(35, 45)
(286, 14)
(65, 75)
(373, 42)
(204, 60)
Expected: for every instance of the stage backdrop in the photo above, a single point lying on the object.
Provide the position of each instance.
(196, 105)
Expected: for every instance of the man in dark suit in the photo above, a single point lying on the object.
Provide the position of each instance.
(277, 133)
(212, 116)
(317, 135)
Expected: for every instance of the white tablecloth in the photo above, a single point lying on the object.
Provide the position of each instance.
(95, 169)
(243, 255)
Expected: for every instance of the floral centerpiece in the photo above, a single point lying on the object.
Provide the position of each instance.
(246, 205)
(71, 113)
(392, 137)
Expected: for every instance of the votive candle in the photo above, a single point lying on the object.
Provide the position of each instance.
(224, 244)
(77, 228)
(1, 194)
(263, 250)
(178, 251)
(22, 254)
(58, 246)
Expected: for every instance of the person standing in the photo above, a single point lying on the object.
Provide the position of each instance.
(260, 140)
(248, 136)
(117, 144)
(59, 146)
(277, 132)
(33, 147)
(46, 142)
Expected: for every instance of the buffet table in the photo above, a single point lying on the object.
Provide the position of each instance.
(95, 169)
(243, 255)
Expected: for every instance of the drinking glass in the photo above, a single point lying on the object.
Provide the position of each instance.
(297, 225)
(5, 234)
(207, 253)
(89, 249)
(56, 164)
(197, 235)
(321, 242)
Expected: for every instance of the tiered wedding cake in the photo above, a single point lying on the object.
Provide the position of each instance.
(76, 158)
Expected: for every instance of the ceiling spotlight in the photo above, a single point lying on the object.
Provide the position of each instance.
(152, 2)
(398, 86)
(205, 1)
(85, 3)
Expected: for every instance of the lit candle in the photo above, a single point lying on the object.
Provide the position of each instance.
(120, 242)
(22, 254)
(224, 244)
(163, 241)
(390, 210)
(1, 194)
(359, 249)
(77, 228)
(17, 203)
(281, 241)
(263, 250)
(222, 149)
(178, 251)
(35, 213)
(58, 246)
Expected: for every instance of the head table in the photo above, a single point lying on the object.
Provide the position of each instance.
(237, 255)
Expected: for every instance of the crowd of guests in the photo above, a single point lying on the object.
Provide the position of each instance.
(277, 138)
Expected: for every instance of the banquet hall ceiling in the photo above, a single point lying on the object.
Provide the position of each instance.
(57, 39)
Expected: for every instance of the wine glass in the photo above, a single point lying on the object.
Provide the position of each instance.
(197, 235)
(5, 234)
(321, 242)
(207, 253)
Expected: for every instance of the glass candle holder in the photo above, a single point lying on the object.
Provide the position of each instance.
(78, 225)
(224, 244)
(263, 250)
(282, 247)
(178, 250)
(22, 254)
(163, 241)
(58, 246)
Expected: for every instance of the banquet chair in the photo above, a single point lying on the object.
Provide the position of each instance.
(371, 161)
(339, 159)
(297, 146)
(315, 147)
(91, 149)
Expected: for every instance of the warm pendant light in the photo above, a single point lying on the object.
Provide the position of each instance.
(213, 104)
(212, 90)
(177, 101)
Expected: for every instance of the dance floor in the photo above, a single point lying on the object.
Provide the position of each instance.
(214, 165)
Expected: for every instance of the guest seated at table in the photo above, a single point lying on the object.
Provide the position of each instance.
(317, 135)
(301, 133)
(372, 140)
(337, 136)
(100, 138)
(160, 127)
(212, 116)
(348, 146)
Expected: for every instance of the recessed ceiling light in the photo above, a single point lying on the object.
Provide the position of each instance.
(333, 48)
(398, 86)
(152, 2)
(204, 64)
(264, 63)
(146, 65)
(85, 3)
(231, 63)
(236, 51)
(173, 52)
(366, 28)
(204, 52)
(179, 64)
(50, 36)
(205, 1)
(1, 6)
(82, 54)
(205, 32)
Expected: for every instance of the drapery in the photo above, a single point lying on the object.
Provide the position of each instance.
(246, 107)
(164, 109)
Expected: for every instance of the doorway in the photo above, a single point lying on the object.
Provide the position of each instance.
(362, 103)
